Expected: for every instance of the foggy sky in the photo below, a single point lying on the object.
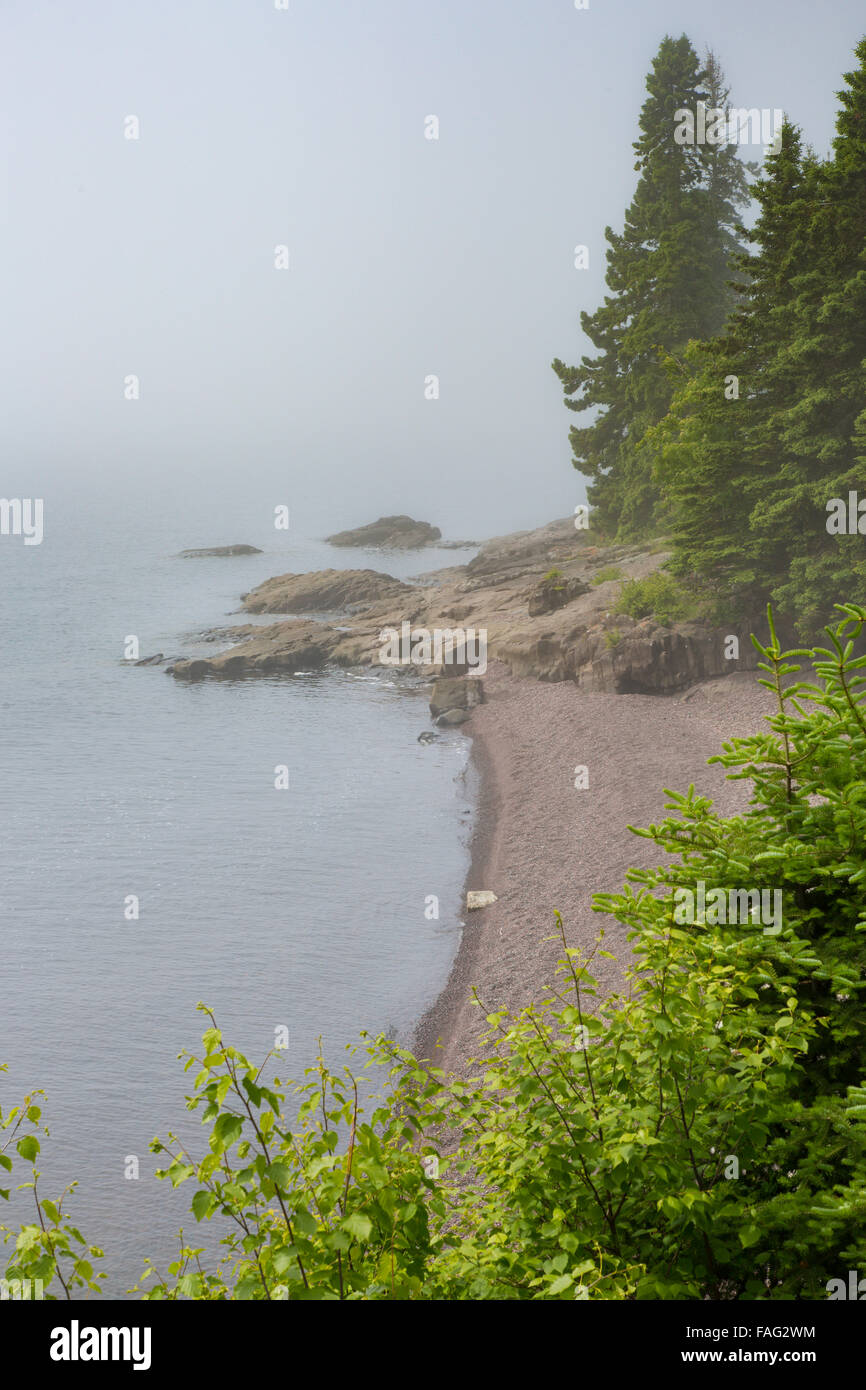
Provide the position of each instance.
(408, 256)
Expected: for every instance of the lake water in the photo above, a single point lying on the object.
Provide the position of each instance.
(300, 907)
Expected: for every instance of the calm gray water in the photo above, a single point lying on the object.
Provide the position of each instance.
(302, 907)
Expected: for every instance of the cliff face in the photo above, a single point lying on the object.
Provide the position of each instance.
(545, 599)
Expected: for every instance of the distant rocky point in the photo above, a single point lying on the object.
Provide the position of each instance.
(546, 599)
(390, 533)
(219, 550)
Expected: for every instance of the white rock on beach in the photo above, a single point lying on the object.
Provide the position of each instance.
(482, 899)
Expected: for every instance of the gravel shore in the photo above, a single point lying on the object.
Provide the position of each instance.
(540, 844)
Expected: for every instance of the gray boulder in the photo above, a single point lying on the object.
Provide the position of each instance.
(453, 716)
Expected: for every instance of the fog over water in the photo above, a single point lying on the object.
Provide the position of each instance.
(407, 256)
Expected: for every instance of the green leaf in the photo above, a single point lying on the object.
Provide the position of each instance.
(559, 1285)
(227, 1130)
(202, 1204)
(279, 1173)
(358, 1226)
(304, 1223)
(284, 1259)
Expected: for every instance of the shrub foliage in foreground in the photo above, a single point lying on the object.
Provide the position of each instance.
(702, 1134)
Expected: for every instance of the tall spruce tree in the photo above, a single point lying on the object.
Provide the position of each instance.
(747, 481)
(665, 272)
(715, 455)
(819, 374)
(727, 192)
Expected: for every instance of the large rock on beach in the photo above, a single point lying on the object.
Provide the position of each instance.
(452, 692)
(480, 898)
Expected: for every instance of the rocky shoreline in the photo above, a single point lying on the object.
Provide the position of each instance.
(544, 599)
(572, 684)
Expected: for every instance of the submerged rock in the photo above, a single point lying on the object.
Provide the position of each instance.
(219, 550)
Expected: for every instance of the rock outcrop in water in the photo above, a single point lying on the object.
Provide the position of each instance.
(545, 599)
(389, 533)
(219, 550)
(286, 647)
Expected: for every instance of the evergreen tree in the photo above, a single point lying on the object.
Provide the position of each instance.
(715, 455)
(747, 481)
(665, 275)
(820, 375)
(727, 191)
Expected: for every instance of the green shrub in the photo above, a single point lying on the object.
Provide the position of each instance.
(609, 572)
(703, 1133)
(49, 1253)
(660, 596)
